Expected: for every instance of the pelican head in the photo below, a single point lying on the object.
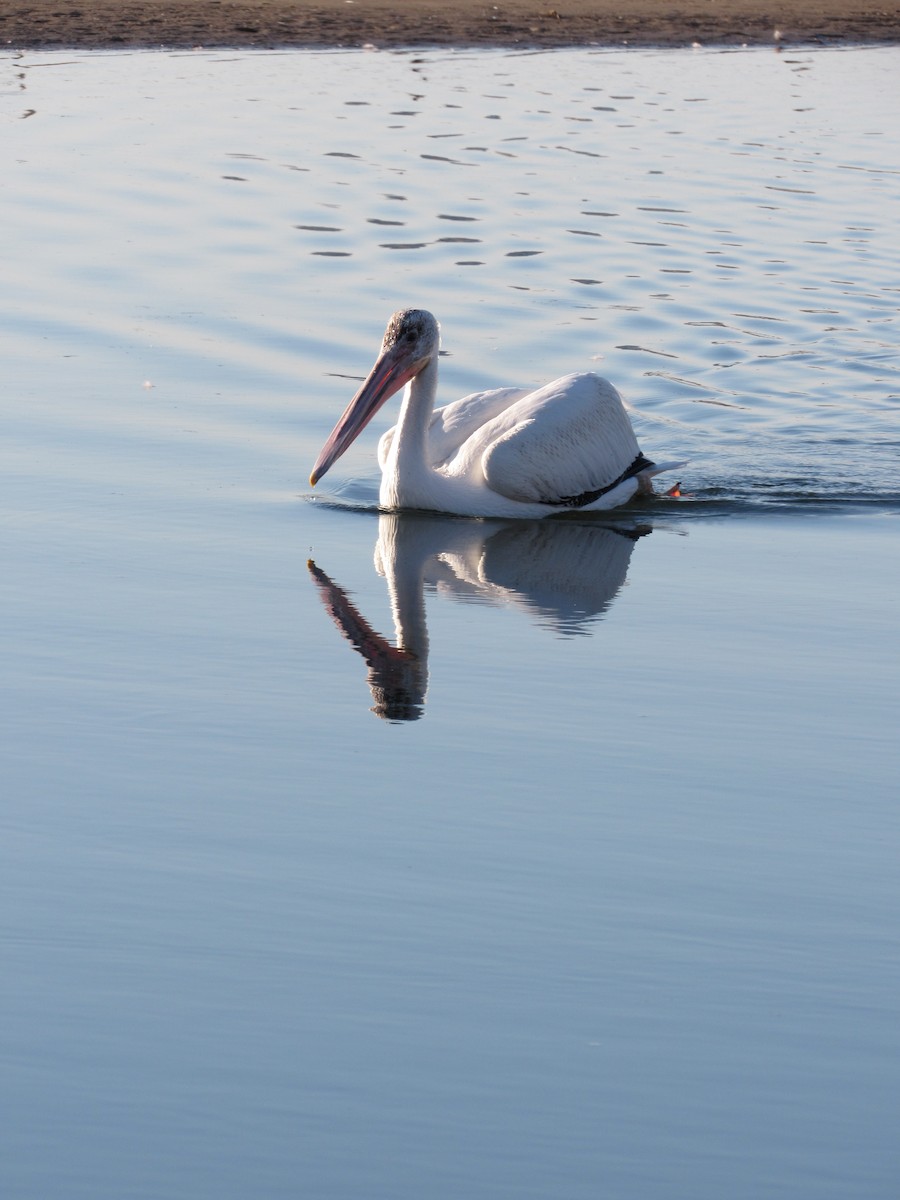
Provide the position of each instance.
(411, 341)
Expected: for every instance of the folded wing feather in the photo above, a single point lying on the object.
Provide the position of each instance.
(569, 437)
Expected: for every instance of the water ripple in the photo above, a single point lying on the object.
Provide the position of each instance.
(732, 267)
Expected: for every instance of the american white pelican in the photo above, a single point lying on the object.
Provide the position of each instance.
(509, 452)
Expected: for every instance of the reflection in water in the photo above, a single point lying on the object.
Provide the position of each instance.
(398, 675)
(563, 573)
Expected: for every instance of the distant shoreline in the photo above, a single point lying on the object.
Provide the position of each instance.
(273, 24)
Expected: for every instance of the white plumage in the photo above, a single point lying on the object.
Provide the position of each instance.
(509, 452)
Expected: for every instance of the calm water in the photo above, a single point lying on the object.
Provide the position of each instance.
(353, 855)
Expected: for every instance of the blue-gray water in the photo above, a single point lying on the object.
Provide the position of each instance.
(594, 890)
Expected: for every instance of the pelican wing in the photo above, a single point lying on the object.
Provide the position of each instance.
(451, 425)
(570, 438)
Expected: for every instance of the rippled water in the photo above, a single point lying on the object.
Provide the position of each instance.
(713, 231)
(351, 854)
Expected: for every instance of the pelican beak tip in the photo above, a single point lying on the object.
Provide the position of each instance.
(313, 479)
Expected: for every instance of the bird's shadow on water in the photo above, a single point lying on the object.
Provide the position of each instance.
(565, 575)
(564, 571)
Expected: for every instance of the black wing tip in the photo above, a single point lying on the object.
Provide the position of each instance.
(641, 463)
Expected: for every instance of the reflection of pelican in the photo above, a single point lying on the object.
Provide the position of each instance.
(565, 575)
(504, 453)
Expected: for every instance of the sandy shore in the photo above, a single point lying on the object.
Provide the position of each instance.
(277, 23)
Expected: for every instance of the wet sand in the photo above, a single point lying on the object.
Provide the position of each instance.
(101, 24)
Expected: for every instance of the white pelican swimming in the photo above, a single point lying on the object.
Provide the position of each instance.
(509, 452)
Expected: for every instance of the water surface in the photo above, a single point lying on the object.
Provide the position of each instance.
(350, 854)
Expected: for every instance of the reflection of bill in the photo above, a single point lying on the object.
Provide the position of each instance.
(397, 676)
(565, 574)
